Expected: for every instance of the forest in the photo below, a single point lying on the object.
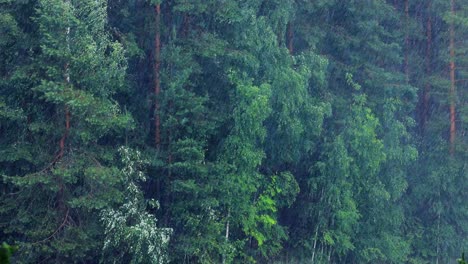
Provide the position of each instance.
(234, 131)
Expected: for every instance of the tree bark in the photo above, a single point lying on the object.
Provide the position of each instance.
(157, 78)
(452, 95)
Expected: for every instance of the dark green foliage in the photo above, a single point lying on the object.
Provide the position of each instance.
(309, 131)
(462, 259)
(6, 251)
(57, 160)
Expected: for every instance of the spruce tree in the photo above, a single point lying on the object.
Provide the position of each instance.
(65, 141)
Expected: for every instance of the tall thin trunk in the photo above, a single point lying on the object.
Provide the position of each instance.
(407, 42)
(67, 81)
(227, 233)
(315, 244)
(290, 36)
(317, 228)
(65, 133)
(427, 87)
(321, 251)
(157, 78)
(438, 239)
(227, 229)
(452, 82)
(438, 222)
(66, 70)
(186, 25)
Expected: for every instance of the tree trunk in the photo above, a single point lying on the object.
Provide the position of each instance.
(65, 133)
(438, 238)
(407, 42)
(61, 187)
(66, 74)
(452, 95)
(227, 233)
(321, 251)
(157, 78)
(290, 36)
(427, 88)
(315, 244)
(67, 81)
(317, 228)
(186, 25)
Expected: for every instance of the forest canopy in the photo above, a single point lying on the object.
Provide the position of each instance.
(234, 131)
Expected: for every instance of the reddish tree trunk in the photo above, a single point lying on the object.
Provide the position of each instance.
(67, 112)
(452, 94)
(60, 194)
(157, 79)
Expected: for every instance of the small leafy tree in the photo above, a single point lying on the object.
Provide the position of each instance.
(131, 233)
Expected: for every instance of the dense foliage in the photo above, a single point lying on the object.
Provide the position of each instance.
(234, 131)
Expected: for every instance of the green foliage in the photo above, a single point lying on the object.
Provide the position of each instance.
(129, 229)
(242, 156)
(462, 259)
(6, 251)
(316, 131)
(56, 179)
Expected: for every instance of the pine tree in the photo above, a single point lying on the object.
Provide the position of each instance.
(65, 142)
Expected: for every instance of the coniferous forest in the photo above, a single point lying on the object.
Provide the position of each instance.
(234, 131)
